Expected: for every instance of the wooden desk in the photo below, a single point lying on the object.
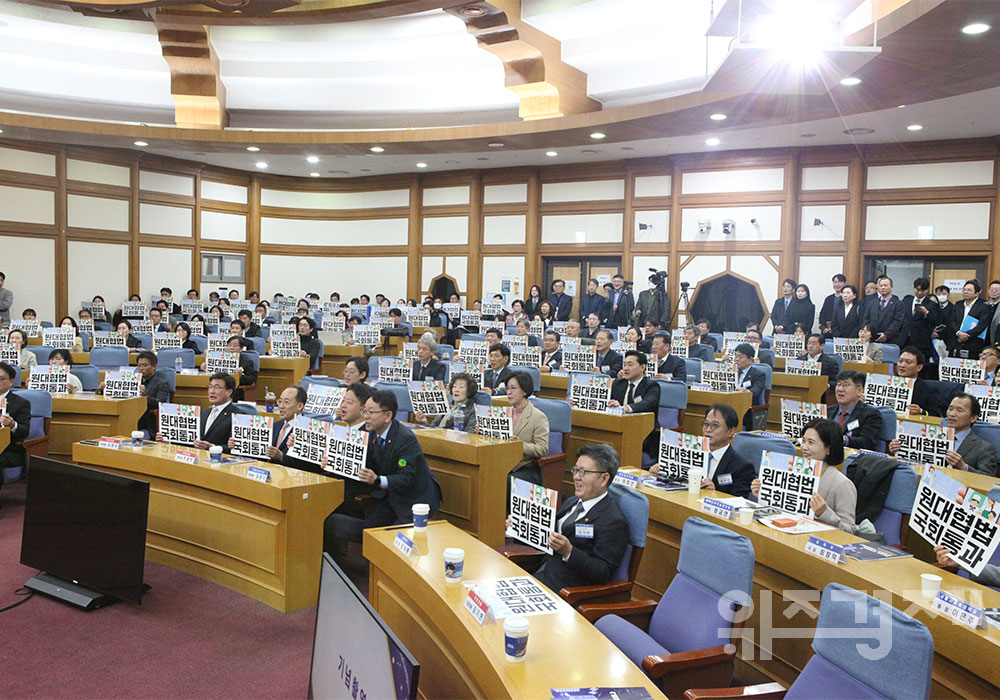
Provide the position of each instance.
(553, 387)
(4, 438)
(78, 417)
(262, 540)
(279, 373)
(797, 387)
(699, 401)
(459, 658)
(624, 433)
(193, 388)
(391, 346)
(335, 358)
(472, 471)
(964, 659)
(870, 367)
(933, 420)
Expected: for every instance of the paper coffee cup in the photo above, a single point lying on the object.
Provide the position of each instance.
(694, 481)
(420, 513)
(215, 453)
(930, 584)
(746, 516)
(454, 561)
(515, 637)
(137, 436)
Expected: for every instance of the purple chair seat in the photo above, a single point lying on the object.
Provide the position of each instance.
(821, 680)
(632, 641)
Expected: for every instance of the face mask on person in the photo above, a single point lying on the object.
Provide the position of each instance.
(437, 305)
(943, 298)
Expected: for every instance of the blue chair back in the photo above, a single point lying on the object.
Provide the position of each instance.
(169, 376)
(85, 342)
(307, 381)
(102, 326)
(168, 356)
(718, 338)
(888, 427)
(839, 359)
(447, 352)
(246, 408)
(109, 358)
(899, 502)
(41, 409)
(768, 374)
(990, 432)
(265, 332)
(673, 401)
(145, 340)
(635, 507)
(253, 357)
(560, 415)
(88, 375)
(259, 345)
(17, 376)
(484, 398)
(693, 368)
(402, 397)
(766, 356)
(473, 336)
(893, 662)
(702, 351)
(41, 353)
(535, 373)
(175, 318)
(751, 446)
(828, 346)
(890, 353)
(45, 324)
(201, 341)
(373, 366)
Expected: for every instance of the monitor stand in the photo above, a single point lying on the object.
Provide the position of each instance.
(69, 592)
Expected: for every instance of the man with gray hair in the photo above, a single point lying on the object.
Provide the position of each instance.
(591, 532)
(426, 366)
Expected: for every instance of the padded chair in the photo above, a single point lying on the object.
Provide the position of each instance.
(175, 319)
(534, 372)
(751, 446)
(560, 415)
(888, 433)
(85, 342)
(759, 411)
(473, 336)
(201, 341)
(485, 398)
(41, 353)
(942, 393)
(88, 375)
(719, 340)
(321, 381)
(693, 368)
(109, 358)
(146, 339)
(259, 345)
(687, 637)
(168, 356)
(17, 376)
(894, 661)
(839, 359)
(702, 352)
(673, 402)
(250, 390)
(170, 377)
(447, 352)
(246, 408)
(402, 398)
(265, 332)
(894, 519)
(766, 356)
(253, 357)
(37, 442)
(990, 432)
(890, 353)
(102, 326)
(45, 324)
(373, 368)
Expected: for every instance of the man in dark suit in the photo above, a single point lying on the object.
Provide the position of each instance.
(495, 378)
(829, 304)
(217, 421)
(608, 361)
(702, 329)
(236, 330)
(814, 351)
(637, 393)
(885, 314)
(396, 471)
(16, 415)
(749, 378)
(697, 350)
(926, 399)
(551, 354)
(592, 326)
(426, 366)
(591, 534)
(973, 315)
(167, 295)
(153, 387)
(252, 329)
(667, 365)
(593, 302)
(860, 423)
(921, 314)
(620, 303)
(781, 306)
(971, 453)
(561, 302)
(653, 304)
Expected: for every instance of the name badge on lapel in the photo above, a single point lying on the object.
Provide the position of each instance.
(585, 532)
(853, 425)
(746, 384)
(725, 479)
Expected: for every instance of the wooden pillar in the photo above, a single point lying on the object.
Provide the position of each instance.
(853, 264)
(61, 257)
(253, 235)
(133, 225)
(993, 261)
(628, 221)
(532, 233)
(474, 264)
(413, 236)
(674, 238)
(790, 216)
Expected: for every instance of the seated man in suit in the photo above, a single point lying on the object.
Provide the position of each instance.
(426, 365)
(493, 336)
(290, 405)
(495, 377)
(396, 471)
(156, 320)
(523, 328)
(551, 354)
(814, 351)
(16, 415)
(971, 453)
(217, 421)
(667, 366)
(153, 387)
(748, 378)
(236, 329)
(727, 470)
(608, 361)
(703, 328)
(990, 357)
(860, 422)
(591, 533)
(593, 326)
(695, 349)
(925, 400)
(252, 329)
(637, 393)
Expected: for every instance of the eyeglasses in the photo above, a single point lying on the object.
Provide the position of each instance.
(711, 426)
(580, 471)
(367, 412)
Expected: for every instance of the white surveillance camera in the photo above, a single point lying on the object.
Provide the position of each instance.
(704, 225)
(753, 222)
(728, 227)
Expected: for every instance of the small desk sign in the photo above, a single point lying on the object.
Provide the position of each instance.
(403, 543)
(958, 610)
(110, 443)
(615, 410)
(629, 481)
(719, 508)
(258, 474)
(479, 608)
(186, 456)
(833, 553)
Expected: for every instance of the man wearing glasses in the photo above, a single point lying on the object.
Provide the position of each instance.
(591, 533)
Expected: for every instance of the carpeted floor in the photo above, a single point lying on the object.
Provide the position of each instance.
(189, 639)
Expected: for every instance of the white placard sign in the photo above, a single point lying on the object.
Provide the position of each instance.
(85, 325)
(680, 452)
(474, 351)
(9, 354)
(536, 328)
(134, 309)
(525, 356)
(324, 400)
(924, 443)
(347, 452)
(721, 376)
(332, 322)
(679, 346)
(513, 341)
(180, 424)
(429, 397)
(453, 309)
(808, 368)
(191, 308)
(477, 370)
(122, 384)
(31, 328)
(217, 342)
(590, 392)
(796, 414)
(394, 370)
(955, 369)
(409, 352)
(224, 362)
(989, 401)
(142, 326)
(166, 340)
(532, 513)
(311, 439)
(471, 319)
(418, 317)
(851, 349)
(50, 378)
(889, 390)
(251, 435)
(495, 421)
(283, 346)
(788, 346)
(62, 337)
(579, 359)
(789, 482)
(493, 307)
(108, 339)
(366, 335)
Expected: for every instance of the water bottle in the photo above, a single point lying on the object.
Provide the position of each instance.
(268, 400)
(458, 423)
(178, 364)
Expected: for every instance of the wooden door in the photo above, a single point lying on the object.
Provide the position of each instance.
(596, 269)
(940, 275)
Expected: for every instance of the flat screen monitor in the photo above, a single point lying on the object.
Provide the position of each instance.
(353, 649)
(86, 526)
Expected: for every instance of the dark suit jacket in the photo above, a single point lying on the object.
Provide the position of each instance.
(701, 351)
(674, 367)
(741, 470)
(709, 341)
(18, 408)
(555, 361)
(292, 461)
(934, 396)
(982, 312)
(847, 325)
(865, 435)
(645, 400)
(498, 387)
(157, 390)
(621, 316)
(612, 360)
(593, 559)
(827, 366)
(778, 313)
(826, 311)
(585, 332)
(221, 429)
(979, 455)
(660, 312)
(253, 331)
(756, 381)
(563, 304)
(435, 369)
(888, 320)
(593, 303)
(409, 478)
(802, 312)
(917, 327)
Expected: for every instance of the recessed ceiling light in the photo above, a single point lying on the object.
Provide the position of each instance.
(590, 150)
(312, 159)
(260, 164)
(421, 165)
(376, 149)
(551, 154)
(859, 130)
(597, 135)
(975, 28)
(717, 117)
(915, 127)
(712, 142)
(452, 162)
(495, 144)
(900, 106)
(140, 144)
(313, 174)
(850, 81)
(253, 149)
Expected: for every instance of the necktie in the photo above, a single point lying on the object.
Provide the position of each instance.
(709, 473)
(572, 518)
(883, 303)
(211, 418)
(631, 393)
(381, 442)
(283, 435)
(842, 418)
(423, 370)
(787, 302)
(600, 360)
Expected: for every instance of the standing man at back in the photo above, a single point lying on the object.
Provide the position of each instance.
(593, 302)
(921, 314)
(561, 302)
(885, 313)
(6, 301)
(620, 303)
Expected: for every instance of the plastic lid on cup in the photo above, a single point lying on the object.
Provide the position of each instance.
(515, 623)
(421, 509)
(454, 554)
(215, 449)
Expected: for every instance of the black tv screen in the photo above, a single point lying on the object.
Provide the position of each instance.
(86, 526)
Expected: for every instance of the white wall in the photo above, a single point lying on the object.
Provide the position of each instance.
(833, 217)
(505, 194)
(504, 230)
(826, 178)
(97, 213)
(641, 273)
(979, 172)
(97, 268)
(164, 267)
(653, 186)
(334, 233)
(165, 221)
(658, 226)
(440, 196)
(28, 206)
(768, 220)
(583, 191)
(102, 173)
(29, 266)
(351, 276)
(455, 266)
(446, 230)
(223, 192)
(595, 228)
(334, 200)
(815, 272)
(162, 182)
(497, 267)
(960, 221)
(27, 161)
(749, 180)
(223, 226)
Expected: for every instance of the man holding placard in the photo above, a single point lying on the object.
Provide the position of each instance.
(814, 352)
(15, 413)
(637, 393)
(971, 452)
(495, 378)
(426, 366)
(668, 366)
(861, 423)
(216, 424)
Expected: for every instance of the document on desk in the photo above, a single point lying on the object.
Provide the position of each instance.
(600, 694)
(517, 595)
